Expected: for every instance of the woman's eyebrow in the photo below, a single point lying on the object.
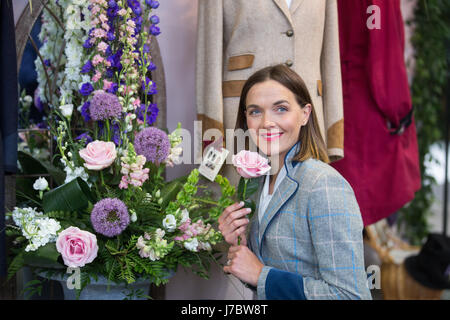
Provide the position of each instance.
(275, 103)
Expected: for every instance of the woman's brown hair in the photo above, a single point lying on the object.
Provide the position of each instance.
(312, 144)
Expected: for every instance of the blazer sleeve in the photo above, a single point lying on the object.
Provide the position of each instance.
(336, 230)
(209, 63)
(333, 105)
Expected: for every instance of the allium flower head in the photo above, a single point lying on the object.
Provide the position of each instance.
(104, 106)
(153, 144)
(110, 217)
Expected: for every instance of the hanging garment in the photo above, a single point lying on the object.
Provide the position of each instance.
(238, 37)
(381, 160)
(8, 111)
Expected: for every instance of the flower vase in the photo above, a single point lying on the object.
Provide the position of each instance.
(103, 289)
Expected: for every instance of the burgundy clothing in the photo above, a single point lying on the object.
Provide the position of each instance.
(382, 168)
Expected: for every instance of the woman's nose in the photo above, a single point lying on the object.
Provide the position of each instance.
(268, 121)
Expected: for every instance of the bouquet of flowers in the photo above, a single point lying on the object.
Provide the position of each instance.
(114, 214)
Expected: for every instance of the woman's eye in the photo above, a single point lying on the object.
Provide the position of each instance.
(281, 109)
(254, 112)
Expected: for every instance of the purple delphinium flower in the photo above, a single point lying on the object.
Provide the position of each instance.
(104, 106)
(154, 19)
(47, 62)
(84, 136)
(85, 111)
(154, 30)
(113, 88)
(151, 88)
(110, 217)
(151, 67)
(112, 4)
(153, 4)
(87, 67)
(153, 144)
(86, 89)
(87, 44)
(152, 113)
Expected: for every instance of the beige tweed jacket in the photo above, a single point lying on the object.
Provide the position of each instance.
(238, 37)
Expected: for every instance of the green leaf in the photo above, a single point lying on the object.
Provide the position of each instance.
(29, 164)
(72, 196)
(170, 191)
(44, 257)
(252, 187)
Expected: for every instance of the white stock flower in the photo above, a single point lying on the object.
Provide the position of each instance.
(170, 223)
(191, 244)
(184, 215)
(40, 184)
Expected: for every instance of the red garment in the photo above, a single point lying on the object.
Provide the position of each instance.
(382, 168)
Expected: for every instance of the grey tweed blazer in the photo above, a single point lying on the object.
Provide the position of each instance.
(310, 237)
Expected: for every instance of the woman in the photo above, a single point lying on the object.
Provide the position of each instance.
(305, 238)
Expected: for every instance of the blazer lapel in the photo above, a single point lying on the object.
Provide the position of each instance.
(284, 8)
(281, 195)
(294, 5)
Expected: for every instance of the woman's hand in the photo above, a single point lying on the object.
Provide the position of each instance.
(233, 223)
(243, 264)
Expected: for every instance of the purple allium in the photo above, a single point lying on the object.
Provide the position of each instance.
(104, 106)
(86, 89)
(85, 111)
(153, 144)
(154, 19)
(110, 217)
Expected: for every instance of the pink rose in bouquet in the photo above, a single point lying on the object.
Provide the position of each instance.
(77, 247)
(250, 164)
(98, 155)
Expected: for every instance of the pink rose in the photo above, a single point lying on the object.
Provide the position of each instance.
(77, 247)
(250, 164)
(98, 155)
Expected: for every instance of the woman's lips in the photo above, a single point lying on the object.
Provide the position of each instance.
(271, 136)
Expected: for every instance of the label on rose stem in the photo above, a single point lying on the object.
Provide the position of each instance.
(213, 159)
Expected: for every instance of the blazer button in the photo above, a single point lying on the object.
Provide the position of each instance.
(289, 63)
(290, 33)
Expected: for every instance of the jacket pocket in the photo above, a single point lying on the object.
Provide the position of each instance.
(240, 62)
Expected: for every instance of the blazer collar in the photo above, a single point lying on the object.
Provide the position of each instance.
(281, 195)
(288, 11)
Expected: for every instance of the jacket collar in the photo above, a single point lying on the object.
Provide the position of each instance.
(280, 197)
(288, 11)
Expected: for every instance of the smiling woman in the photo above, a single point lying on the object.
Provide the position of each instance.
(306, 240)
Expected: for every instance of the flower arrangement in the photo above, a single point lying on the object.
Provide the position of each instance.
(113, 214)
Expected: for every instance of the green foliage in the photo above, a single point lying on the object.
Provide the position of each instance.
(432, 31)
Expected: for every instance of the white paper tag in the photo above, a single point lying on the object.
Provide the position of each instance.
(213, 160)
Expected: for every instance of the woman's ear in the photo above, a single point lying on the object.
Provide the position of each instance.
(306, 111)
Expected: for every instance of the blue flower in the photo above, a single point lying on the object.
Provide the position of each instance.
(84, 136)
(87, 67)
(87, 44)
(154, 19)
(113, 88)
(110, 36)
(154, 30)
(86, 89)
(153, 4)
(151, 67)
(85, 111)
(152, 113)
(152, 89)
(112, 4)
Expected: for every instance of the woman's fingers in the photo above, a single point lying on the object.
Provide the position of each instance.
(236, 215)
(230, 209)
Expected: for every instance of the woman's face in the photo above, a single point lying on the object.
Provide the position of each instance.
(274, 117)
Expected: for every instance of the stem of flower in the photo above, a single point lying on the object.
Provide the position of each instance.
(205, 201)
